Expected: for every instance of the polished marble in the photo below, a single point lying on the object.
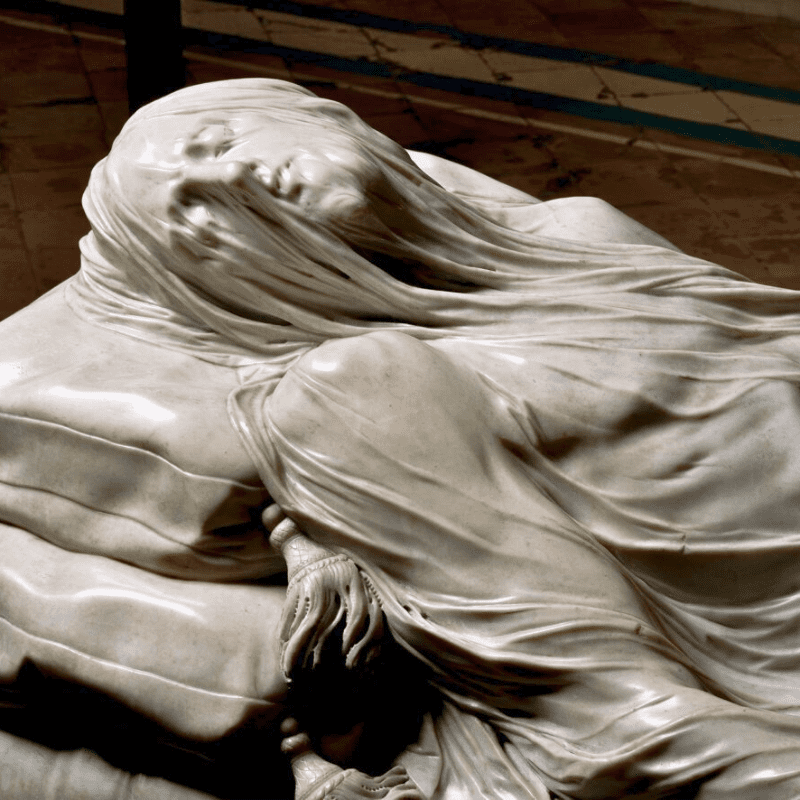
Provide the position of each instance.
(583, 396)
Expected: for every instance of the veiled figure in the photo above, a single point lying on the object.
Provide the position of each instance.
(561, 453)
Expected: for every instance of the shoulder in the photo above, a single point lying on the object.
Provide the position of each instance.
(364, 361)
(368, 374)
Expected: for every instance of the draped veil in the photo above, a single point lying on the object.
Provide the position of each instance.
(535, 320)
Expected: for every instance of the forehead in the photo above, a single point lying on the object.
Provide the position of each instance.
(160, 141)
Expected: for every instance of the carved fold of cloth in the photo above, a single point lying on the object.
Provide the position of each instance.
(619, 606)
(105, 514)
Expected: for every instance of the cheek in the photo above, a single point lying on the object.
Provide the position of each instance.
(339, 204)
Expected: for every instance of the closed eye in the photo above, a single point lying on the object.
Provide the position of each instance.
(211, 141)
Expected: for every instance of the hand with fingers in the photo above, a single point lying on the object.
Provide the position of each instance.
(331, 610)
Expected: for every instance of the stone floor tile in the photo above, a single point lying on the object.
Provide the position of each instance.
(109, 84)
(56, 264)
(603, 127)
(734, 43)
(52, 228)
(733, 253)
(108, 6)
(318, 78)
(451, 126)
(23, 88)
(682, 16)
(487, 108)
(715, 150)
(225, 19)
(31, 17)
(31, 50)
(395, 41)
(601, 22)
(646, 46)
(521, 14)
(627, 84)
(19, 287)
(115, 113)
(521, 160)
(781, 37)
(419, 11)
(416, 10)
(761, 218)
(784, 275)
(578, 81)
(319, 37)
(108, 28)
(728, 184)
(7, 200)
(771, 72)
(511, 64)
(33, 120)
(750, 108)
(508, 27)
(10, 233)
(579, 6)
(481, 107)
(202, 72)
(780, 128)
(697, 107)
(102, 55)
(54, 150)
(449, 59)
(54, 188)
(503, 18)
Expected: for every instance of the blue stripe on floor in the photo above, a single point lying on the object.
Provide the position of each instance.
(511, 94)
(471, 88)
(479, 41)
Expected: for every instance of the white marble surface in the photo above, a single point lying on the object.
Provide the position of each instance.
(536, 445)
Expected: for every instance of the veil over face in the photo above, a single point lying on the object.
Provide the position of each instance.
(204, 254)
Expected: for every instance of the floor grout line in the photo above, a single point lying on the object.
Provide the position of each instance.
(454, 107)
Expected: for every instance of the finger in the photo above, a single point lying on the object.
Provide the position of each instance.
(357, 618)
(296, 635)
(361, 637)
(272, 516)
(333, 616)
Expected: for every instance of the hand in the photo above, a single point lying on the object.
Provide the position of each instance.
(330, 609)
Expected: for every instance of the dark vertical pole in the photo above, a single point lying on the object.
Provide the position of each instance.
(154, 45)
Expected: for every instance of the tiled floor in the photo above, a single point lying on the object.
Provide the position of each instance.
(63, 98)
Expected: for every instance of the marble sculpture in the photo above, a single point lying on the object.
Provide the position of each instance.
(526, 466)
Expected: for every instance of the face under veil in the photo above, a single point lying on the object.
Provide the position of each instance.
(261, 280)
